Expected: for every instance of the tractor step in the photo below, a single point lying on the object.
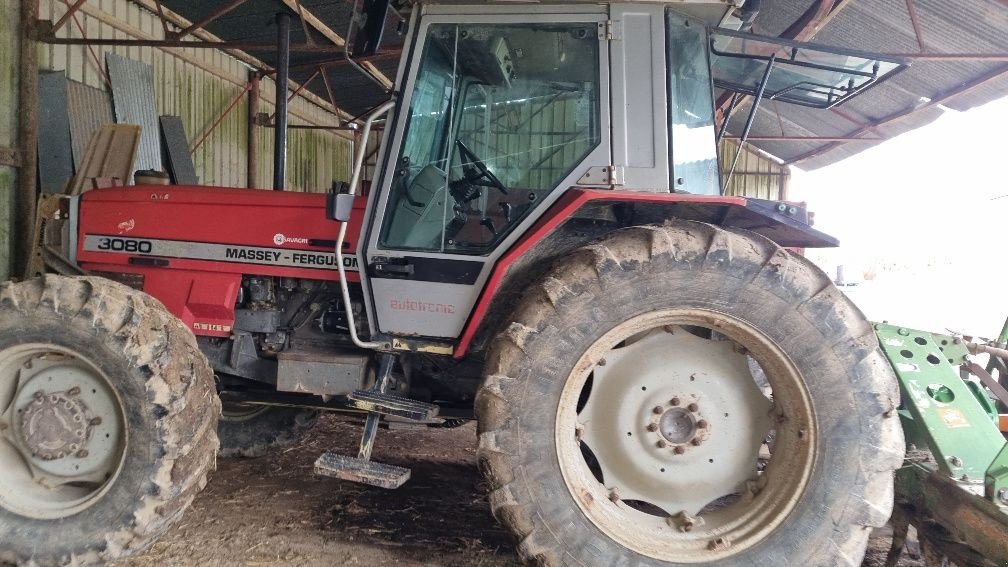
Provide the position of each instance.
(360, 470)
(389, 404)
(375, 402)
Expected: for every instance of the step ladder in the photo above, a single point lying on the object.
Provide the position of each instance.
(376, 402)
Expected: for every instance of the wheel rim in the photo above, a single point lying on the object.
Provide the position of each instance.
(665, 439)
(62, 431)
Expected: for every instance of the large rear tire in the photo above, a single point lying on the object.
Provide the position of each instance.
(622, 420)
(108, 417)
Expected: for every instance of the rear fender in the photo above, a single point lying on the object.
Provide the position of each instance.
(582, 215)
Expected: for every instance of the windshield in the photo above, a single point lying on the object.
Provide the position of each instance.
(500, 114)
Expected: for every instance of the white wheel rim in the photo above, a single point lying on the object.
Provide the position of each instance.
(676, 424)
(62, 432)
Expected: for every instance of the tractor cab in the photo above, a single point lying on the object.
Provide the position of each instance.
(501, 110)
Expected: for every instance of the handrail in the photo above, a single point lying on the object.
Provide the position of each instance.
(354, 180)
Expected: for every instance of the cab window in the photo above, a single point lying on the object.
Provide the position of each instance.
(499, 116)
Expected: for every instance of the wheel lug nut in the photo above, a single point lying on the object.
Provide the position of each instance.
(95, 421)
(652, 427)
(683, 521)
(657, 410)
(695, 441)
(702, 424)
(75, 391)
(719, 544)
(39, 396)
(614, 495)
(679, 450)
(82, 453)
(674, 401)
(692, 407)
(601, 362)
(661, 444)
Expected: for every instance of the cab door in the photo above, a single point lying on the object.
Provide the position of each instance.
(500, 114)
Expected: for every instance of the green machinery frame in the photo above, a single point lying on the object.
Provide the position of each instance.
(953, 487)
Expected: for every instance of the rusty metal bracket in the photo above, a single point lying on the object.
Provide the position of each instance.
(972, 523)
(71, 10)
(210, 18)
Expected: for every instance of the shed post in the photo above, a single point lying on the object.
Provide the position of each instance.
(280, 122)
(24, 200)
(252, 176)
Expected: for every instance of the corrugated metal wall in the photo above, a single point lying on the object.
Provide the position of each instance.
(755, 175)
(198, 85)
(8, 126)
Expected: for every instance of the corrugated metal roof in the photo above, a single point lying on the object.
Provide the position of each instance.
(255, 21)
(902, 103)
(896, 106)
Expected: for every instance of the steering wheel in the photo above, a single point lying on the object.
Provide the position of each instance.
(482, 171)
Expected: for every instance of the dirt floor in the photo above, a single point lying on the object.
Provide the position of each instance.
(274, 511)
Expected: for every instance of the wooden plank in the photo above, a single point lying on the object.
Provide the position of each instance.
(110, 156)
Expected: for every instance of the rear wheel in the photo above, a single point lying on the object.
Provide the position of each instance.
(688, 395)
(247, 430)
(107, 420)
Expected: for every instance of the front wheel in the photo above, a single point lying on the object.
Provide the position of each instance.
(108, 417)
(688, 395)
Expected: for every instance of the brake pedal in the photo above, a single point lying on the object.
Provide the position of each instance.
(355, 469)
(390, 404)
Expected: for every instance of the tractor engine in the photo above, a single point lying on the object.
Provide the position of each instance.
(281, 313)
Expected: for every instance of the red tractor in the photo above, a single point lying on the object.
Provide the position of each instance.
(545, 249)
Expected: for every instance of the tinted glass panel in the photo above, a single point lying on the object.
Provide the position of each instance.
(803, 73)
(691, 109)
(500, 115)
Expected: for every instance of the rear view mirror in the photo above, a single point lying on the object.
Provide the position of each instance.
(338, 206)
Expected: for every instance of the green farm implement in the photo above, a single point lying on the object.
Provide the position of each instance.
(953, 487)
